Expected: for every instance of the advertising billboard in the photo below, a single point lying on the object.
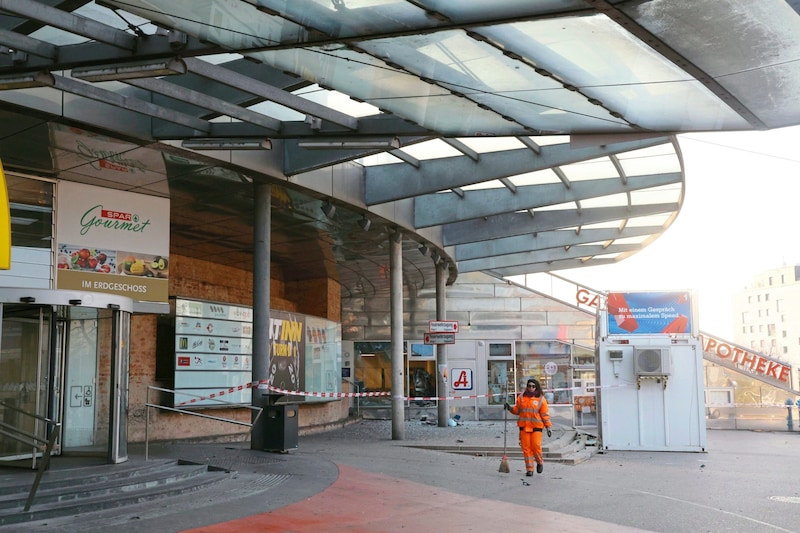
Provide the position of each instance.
(648, 313)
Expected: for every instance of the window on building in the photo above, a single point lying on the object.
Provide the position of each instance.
(783, 334)
(745, 317)
(766, 297)
(752, 330)
(785, 349)
(771, 330)
(547, 361)
(766, 312)
(762, 344)
(770, 280)
(779, 305)
(759, 313)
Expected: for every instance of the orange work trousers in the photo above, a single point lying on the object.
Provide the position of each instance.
(531, 444)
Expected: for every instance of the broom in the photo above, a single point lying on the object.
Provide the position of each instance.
(504, 462)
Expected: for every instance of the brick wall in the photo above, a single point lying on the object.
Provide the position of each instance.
(204, 280)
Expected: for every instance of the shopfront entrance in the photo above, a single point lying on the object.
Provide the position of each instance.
(66, 361)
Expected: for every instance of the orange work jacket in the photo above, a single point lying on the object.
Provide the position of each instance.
(532, 413)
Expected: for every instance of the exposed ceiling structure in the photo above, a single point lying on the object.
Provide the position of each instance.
(506, 137)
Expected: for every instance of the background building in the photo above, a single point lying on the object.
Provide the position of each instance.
(766, 315)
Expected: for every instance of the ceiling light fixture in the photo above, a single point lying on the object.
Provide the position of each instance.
(227, 144)
(128, 71)
(365, 223)
(27, 81)
(423, 249)
(355, 144)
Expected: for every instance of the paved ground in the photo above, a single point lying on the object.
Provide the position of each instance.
(357, 479)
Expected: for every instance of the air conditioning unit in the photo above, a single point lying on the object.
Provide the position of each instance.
(652, 361)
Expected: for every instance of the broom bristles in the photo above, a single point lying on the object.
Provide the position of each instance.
(504, 465)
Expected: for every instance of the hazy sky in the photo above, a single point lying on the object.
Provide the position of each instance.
(740, 216)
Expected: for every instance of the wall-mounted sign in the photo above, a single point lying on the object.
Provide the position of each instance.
(742, 360)
(443, 326)
(214, 354)
(113, 242)
(439, 338)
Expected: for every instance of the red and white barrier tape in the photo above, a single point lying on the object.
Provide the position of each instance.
(265, 384)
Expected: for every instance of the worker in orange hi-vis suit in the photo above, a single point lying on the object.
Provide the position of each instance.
(531, 407)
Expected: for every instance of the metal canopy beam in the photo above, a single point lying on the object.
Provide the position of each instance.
(384, 185)
(552, 266)
(268, 92)
(434, 209)
(541, 256)
(511, 224)
(17, 41)
(129, 103)
(548, 239)
(68, 22)
(206, 102)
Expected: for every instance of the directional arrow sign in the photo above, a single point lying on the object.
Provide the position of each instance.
(439, 338)
(443, 326)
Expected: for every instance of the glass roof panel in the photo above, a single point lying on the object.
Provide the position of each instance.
(485, 145)
(371, 80)
(619, 71)
(491, 184)
(535, 178)
(611, 200)
(753, 53)
(590, 170)
(643, 162)
(433, 149)
(485, 75)
(651, 220)
(657, 195)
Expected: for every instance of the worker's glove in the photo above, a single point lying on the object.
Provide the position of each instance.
(549, 433)
(507, 406)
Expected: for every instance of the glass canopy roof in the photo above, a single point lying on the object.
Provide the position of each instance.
(508, 137)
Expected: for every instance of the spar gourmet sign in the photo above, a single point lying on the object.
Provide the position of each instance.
(112, 241)
(738, 358)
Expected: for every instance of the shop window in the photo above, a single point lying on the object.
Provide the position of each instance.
(501, 381)
(502, 349)
(421, 371)
(719, 396)
(549, 363)
(373, 370)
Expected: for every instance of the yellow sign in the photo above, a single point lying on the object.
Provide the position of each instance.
(5, 223)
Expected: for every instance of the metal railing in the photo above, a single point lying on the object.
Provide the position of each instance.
(37, 444)
(192, 413)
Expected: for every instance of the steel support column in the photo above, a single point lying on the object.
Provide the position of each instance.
(441, 349)
(262, 237)
(396, 298)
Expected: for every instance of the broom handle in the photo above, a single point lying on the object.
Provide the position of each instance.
(505, 422)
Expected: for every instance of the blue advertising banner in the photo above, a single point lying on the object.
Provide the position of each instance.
(647, 313)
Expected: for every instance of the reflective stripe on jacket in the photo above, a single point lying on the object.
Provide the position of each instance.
(532, 412)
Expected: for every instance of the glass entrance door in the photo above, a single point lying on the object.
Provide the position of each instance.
(96, 382)
(25, 376)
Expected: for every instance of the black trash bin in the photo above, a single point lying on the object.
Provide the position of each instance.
(280, 427)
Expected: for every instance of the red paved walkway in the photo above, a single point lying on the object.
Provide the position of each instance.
(360, 501)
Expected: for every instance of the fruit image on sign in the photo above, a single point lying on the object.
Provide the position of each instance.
(151, 266)
(86, 259)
